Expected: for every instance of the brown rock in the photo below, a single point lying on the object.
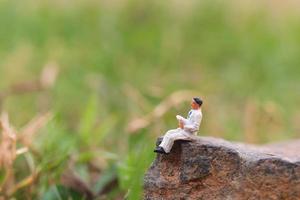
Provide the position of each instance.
(210, 168)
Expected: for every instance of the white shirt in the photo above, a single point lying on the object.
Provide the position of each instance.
(193, 121)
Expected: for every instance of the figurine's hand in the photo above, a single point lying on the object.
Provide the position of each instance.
(180, 124)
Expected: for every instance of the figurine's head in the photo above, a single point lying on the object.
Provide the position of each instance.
(196, 103)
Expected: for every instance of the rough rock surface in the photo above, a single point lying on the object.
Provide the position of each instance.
(210, 168)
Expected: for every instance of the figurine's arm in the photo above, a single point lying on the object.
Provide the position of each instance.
(194, 124)
(191, 127)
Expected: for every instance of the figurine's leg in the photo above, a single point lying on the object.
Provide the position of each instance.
(170, 137)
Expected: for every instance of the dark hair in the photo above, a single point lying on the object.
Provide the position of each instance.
(198, 100)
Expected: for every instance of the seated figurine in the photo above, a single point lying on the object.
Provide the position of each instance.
(187, 128)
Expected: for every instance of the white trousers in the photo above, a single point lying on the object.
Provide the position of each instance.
(175, 134)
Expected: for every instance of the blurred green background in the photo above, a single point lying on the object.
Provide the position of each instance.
(117, 60)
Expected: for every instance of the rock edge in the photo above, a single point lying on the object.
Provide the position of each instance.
(211, 168)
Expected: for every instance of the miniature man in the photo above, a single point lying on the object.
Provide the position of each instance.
(187, 128)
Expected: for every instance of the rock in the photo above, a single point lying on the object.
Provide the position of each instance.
(210, 168)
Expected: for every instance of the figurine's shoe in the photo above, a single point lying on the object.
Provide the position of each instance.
(160, 150)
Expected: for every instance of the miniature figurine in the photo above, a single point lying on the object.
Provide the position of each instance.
(187, 128)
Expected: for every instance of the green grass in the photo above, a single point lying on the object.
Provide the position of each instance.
(118, 60)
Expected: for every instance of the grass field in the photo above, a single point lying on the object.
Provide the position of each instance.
(106, 74)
